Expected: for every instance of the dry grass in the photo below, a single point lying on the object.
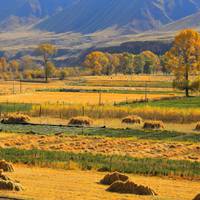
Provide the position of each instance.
(73, 97)
(121, 77)
(173, 115)
(106, 146)
(81, 185)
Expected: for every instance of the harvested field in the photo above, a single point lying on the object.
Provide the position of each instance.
(74, 97)
(81, 185)
(104, 145)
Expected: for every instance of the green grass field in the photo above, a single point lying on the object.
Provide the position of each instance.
(86, 161)
(115, 91)
(162, 135)
(183, 103)
(14, 107)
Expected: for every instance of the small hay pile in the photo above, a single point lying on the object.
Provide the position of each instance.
(113, 177)
(197, 197)
(7, 184)
(153, 125)
(6, 166)
(16, 119)
(197, 127)
(133, 119)
(80, 121)
(129, 187)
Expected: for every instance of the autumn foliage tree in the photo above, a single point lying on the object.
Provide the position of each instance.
(97, 62)
(46, 50)
(184, 58)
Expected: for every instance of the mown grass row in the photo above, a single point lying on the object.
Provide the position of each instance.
(123, 83)
(161, 135)
(115, 91)
(86, 161)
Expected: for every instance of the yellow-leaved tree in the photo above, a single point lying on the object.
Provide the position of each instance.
(97, 62)
(46, 50)
(184, 59)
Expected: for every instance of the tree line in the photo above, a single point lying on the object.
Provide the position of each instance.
(182, 60)
(28, 68)
(147, 62)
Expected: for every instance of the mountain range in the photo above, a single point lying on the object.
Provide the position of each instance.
(89, 16)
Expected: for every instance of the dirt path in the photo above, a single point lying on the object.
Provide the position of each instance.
(120, 146)
(50, 184)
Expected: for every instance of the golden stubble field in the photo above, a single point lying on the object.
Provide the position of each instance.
(73, 97)
(104, 145)
(50, 184)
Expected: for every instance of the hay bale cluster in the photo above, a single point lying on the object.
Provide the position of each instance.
(197, 197)
(153, 125)
(197, 127)
(111, 178)
(129, 187)
(133, 119)
(80, 121)
(120, 183)
(16, 119)
(8, 184)
(6, 166)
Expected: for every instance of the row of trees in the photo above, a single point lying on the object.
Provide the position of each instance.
(182, 60)
(29, 68)
(145, 63)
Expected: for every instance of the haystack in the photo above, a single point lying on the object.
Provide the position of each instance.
(111, 178)
(80, 121)
(197, 127)
(16, 119)
(6, 166)
(197, 197)
(134, 119)
(129, 187)
(8, 184)
(153, 125)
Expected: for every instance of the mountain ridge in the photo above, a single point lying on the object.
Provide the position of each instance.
(89, 16)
